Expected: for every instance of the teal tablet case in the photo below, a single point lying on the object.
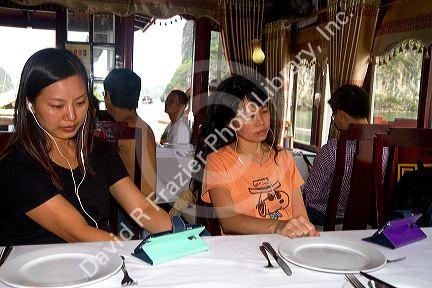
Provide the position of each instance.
(182, 241)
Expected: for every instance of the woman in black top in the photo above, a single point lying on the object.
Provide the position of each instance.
(55, 178)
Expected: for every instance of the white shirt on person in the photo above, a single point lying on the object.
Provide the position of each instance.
(178, 132)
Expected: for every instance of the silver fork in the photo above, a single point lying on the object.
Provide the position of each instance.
(354, 281)
(127, 280)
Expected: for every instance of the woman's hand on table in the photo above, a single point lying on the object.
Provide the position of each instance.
(296, 227)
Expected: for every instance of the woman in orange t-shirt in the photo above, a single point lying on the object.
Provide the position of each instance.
(253, 184)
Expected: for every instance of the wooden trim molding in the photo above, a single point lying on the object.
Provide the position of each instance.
(425, 95)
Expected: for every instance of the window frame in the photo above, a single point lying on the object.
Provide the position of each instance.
(94, 44)
(424, 115)
(317, 110)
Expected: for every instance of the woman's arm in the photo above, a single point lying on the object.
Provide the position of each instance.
(298, 206)
(59, 217)
(299, 209)
(143, 210)
(236, 223)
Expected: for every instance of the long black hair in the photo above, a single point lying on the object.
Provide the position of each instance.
(217, 132)
(42, 69)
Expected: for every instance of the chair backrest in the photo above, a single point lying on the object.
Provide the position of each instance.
(405, 145)
(115, 132)
(4, 139)
(360, 206)
(206, 216)
(403, 123)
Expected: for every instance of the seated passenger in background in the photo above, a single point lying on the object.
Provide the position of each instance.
(55, 177)
(178, 130)
(350, 105)
(252, 183)
(122, 91)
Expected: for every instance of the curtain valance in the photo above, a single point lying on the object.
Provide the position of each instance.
(405, 19)
(154, 8)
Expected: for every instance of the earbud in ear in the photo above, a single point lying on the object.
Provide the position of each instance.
(30, 107)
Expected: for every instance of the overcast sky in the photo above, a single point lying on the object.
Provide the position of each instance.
(18, 44)
(157, 52)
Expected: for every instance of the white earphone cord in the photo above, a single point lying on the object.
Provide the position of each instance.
(70, 167)
(235, 147)
(238, 157)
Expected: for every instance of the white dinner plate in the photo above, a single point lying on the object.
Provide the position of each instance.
(69, 266)
(332, 255)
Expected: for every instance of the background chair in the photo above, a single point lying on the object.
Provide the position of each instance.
(4, 139)
(403, 123)
(206, 216)
(115, 133)
(405, 145)
(360, 208)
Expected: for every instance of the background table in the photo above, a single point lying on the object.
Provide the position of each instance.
(173, 172)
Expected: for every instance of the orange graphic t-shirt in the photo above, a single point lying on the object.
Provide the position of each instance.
(258, 190)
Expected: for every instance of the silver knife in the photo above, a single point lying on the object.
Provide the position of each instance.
(278, 259)
(378, 282)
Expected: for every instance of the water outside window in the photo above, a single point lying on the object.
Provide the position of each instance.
(218, 65)
(304, 103)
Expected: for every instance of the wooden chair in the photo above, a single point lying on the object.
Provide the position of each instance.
(206, 216)
(403, 123)
(406, 145)
(4, 139)
(360, 208)
(114, 132)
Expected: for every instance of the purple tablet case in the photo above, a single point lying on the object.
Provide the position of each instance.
(397, 233)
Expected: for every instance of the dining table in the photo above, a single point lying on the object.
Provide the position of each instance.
(174, 170)
(236, 261)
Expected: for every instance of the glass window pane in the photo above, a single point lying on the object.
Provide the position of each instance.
(103, 61)
(218, 65)
(103, 28)
(98, 89)
(396, 87)
(78, 26)
(163, 60)
(13, 54)
(304, 103)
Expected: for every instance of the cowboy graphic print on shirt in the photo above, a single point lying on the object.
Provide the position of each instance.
(261, 191)
(271, 202)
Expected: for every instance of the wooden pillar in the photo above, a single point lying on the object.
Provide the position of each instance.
(128, 41)
(368, 85)
(201, 57)
(124, 41)
(425, 95)
(61, 28)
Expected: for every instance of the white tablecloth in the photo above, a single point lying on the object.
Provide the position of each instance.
(173, 172)
(235, 261)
